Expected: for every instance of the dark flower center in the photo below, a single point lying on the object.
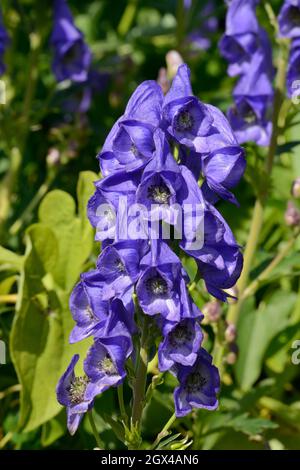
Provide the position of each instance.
(293, 16)
(195, 382)
(107, 366)
(249, 116)
(184, 121)
(77, 390)
(159, 194)
(120, 265)
(134, 150)
(180, 335)
(157, 285)
(71, 55)
(89, 312)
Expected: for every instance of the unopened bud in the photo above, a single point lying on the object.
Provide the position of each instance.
(231, 358)
(292, 215)
(296, 188)
(212, 311)
(163, 80)
(53, 157)
(174, 60)
(230, 333)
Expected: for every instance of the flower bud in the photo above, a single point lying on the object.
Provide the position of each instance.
(231, 358)
(230, 333)
(174, 60)
(212, 311)
(292, 215)
(53, 157)
(163, 80)
(296, 188)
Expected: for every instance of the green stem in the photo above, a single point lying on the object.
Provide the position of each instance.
(164, 432)
(141, 377)
(127, 18)
(122, 404)
(251, 289)
(43, 189)
(95, 432)
(258, 212)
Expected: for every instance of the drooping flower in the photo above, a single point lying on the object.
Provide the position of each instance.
(4, 40)
(70, 393)
(219, 259)
(129, 145)
(185, 117)
(181, 343)
(198, 385)
(248, 49)
(293, 72)
(289, 19)
(72, 56)
(241, 38)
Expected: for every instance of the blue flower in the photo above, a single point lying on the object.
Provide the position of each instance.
(181, 343)
(219, 259)
(293, 72)
(4, 40)
(198, 385)
(289, 19)
(72, 56)
(70, 393)
(129, 145)
(185, 117)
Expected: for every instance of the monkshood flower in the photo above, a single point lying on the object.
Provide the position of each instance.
(219, 260)
(90, 307)
(130, 145)
(105, 362)
(181, 343)
(248, 50)
(70, 393)
(293, 72)
(251, 115)
(158, 288)
(241, 38)
(218, 158)
(198, 385)
(72, 56)
(185, 117)
(289, 19)
(3, 43)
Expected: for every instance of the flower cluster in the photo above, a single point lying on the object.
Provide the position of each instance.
(247, 48)
(3, 43)
(289, 27)
(156, 155)
(72, 59)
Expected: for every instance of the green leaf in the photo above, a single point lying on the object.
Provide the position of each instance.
(250, 426)
(35, 343)
(53, 429)
(56, 250)
(256, 329)
(10, 260)
(75, 238)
